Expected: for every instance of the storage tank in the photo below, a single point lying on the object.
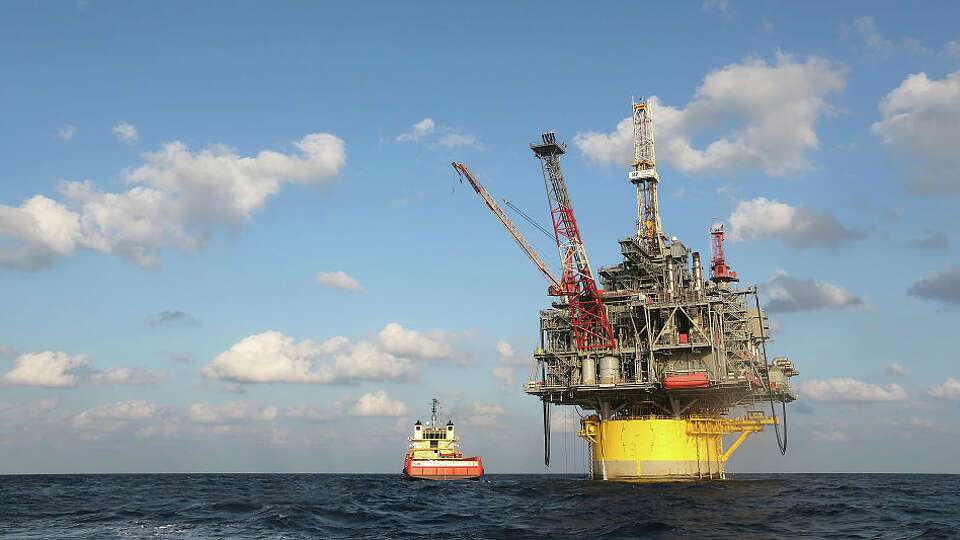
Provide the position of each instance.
(589, 371)
(609, 369)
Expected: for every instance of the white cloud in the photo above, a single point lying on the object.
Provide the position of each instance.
(503, 374)
(179, 197)
(948, 389)
(941, 286)
(377, 404)
(418, 130)
(234, 412)
(506, 355)
(921, 123)
(897, 370)
(126, 133)
(847, 390)
(274, 357)
(453, 140)
(443, 135)
(16, 414)
(127, 375)
(480, 414)
(871, 36)
(786, 293)
(339, 280)
(149, 419)
(49, 368)
(797, 226)
(66, 132)
(311, 413)
(395, 339)
(134, 410)
(767, 114)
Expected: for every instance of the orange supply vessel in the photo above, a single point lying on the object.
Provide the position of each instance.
(435, 455)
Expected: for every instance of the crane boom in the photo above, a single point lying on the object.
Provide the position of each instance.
(507, 223)
(590, 324)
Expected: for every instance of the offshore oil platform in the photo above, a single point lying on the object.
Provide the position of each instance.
(661, 354)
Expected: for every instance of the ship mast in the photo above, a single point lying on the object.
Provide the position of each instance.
(433, 413)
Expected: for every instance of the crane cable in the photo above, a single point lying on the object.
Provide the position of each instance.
(781, 443)
(529, 219)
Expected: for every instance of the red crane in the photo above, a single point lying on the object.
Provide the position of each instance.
(719, 270)
(589, 317)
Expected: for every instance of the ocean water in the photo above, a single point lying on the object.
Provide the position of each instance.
(498, 506)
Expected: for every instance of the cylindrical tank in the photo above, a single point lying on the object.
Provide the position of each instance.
(669, 279)
(589, 372)
(697, 273)
(609, 369)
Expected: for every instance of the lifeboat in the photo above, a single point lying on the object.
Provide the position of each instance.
(687, 380)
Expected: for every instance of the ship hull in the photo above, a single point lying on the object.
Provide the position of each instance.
(443, 469)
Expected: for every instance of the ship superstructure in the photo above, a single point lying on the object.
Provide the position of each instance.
(660, 353)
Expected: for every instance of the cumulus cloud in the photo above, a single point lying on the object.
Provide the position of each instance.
(15, 413)
(765, 113)
(503, 374)
(147, 419)
(126, 133)
(169, 317)
(395, 339)
(786, 293)
(480, 414)
(948, 389)
(418, 130)
(797, 226)
(428, 131)
(339, 280)
(506, 355)
(872, 37)
(49, 368)
(312, 413)
(921, 123)
(377, 404)
(453, 140)
(232, 413)
(847, 390)
(942, 286)
(66, 132)
(134, 410)
(897, 370)
(178, 198)
(128, 375)
(274, 357)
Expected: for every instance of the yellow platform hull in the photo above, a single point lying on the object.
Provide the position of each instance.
(664, 448)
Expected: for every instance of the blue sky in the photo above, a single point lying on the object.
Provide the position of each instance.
(231, 239)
